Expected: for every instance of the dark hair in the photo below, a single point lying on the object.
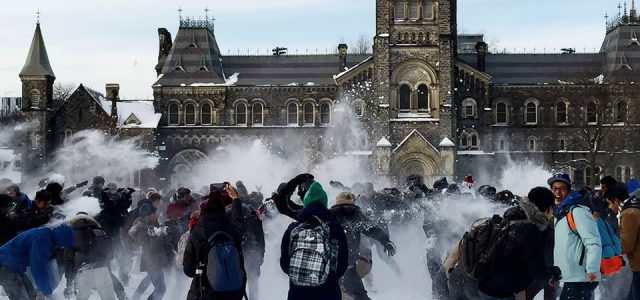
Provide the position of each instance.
(542, 197)
(608, 181)
(98, 180)
(43, 196)
(183, 191)
(54, 188)
(618, 191)
(215, 202)
(15, 188)
(155, 197)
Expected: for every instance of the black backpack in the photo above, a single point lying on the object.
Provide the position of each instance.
(99, 246)
(478, 245)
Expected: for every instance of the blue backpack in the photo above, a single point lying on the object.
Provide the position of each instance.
(224, 269)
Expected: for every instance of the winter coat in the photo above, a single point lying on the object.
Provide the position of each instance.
(355, 223)
(330, 290)
(79, 256)
(9, 227)
(131, 217)
(253, 236)
(569, 246)
(522, 258)
(198, 248)
(179, 209)
(155, 252)
(630, 232)
(33, 248)
(22, 204)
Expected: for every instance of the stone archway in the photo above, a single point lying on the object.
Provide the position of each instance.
(182, 164)
(415, 156)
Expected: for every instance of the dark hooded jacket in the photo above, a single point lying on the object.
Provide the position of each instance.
(198, 247)
(80, 256)
(33, 249)
(253, 235)
(155, 249)
(355, 223)
(330, 290)
(521, 258)
(9, 227)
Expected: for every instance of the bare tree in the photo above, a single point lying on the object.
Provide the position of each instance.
(62, 90)
(362, 44)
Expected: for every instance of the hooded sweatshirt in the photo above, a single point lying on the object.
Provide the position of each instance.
(32, 249)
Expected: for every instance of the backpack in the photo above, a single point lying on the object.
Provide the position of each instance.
(224, 269)
(99, 246)
(310, 253)
(612, 261)
(480, 245)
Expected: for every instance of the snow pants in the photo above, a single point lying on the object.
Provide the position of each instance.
(98, 279)
(17, 286)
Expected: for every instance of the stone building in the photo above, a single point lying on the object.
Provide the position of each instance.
(429, 102)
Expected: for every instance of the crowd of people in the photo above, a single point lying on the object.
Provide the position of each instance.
(556, 241)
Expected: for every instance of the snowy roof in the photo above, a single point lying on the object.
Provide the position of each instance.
(100, 99)
(383, 142)
(446, 142)
(415, 132)
(142, 111)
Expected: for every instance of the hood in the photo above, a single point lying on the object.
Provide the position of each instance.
(347, 209)
(515, 214)
(316, 209)
(534, 214)
(83, 221)
(63, 236)
(632, 202)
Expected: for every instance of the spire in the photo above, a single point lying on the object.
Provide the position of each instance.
(633, 13)
(619, 10)
(37, 61)
(625, 9)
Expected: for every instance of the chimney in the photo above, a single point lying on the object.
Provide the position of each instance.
(164, 44)
(481, 53)
(113, 92)
(342, 53)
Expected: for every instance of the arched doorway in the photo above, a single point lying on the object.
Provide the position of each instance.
(183, 163)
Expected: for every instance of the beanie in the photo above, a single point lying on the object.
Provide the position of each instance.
(146, 209)
(346, 198)
(315, 194)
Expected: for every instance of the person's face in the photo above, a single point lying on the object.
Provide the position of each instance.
(156, 203)
(42, 204)
(185, 198)
(100, 185)
(152, 217)
(11, 193)
(560, 190)
(603, 188)
(614, 204)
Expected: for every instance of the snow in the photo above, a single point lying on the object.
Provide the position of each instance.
(488, 109)
(143, 110)
(227, 82)
(11, 172)
(414, 120)
(352, 68)
(446, 142)
(598, 79)
(293, 84)
(383, 105)
(359, 153)
(565, 82)
(383, 35)
(383, 142)
(474, 152)
(310, 83)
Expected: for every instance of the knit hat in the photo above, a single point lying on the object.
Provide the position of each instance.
(315, 194)
(563, 177)
(146, 209)
(346, 198)
(468, 179)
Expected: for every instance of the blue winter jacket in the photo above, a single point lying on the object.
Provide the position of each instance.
(569, 246)
(33, 248)
(610, 240)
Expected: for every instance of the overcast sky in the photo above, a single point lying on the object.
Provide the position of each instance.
(98, 42)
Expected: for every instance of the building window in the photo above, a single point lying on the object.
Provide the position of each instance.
(502, 145)
(405, 98)
(591, 177)
(423, 97)
(257, 114)
(561, 113)
(502, 116)
(190, 114)
(399, 9)
(325, 113)
(531, 114)
(414, 9)
(621, 112)
(427, 9)
(475, 143)
(174, 114)
(627, 174)
(464, 141)
(241, 114)
(34, 96)
(469, 109)
(592, 113)
(206, 114)
(563, 145)
(531, 144)
(619, 176)
(292, 114)
(358, 108)
(309, 112)
(68, 133)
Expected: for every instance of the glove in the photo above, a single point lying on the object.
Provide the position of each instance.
(556, 273)
(390, 248)
(81, 184)
(300, 179)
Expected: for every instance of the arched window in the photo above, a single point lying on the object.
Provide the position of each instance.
(502, 145)
(414, 9)
(34, 96)
(627, 174)
(475, 141)
(206, 114)
(325, 113)
(621, 112)
(358, 108)
(190, 114)
(174, 114)
(592, 113)
(561, 113)
(464, 141)
(531, 113)
(531, 144)
(399, 13)
(427, 9)
(292, 114)
(588, 176)
(502, 116)
(68, 133)
(309, 112)
(563, 144)
(619, 176)
(241, 114)
(423, 97)
(405, 98)
(469, 108)
(256, 113)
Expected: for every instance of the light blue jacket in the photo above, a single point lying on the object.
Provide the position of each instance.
(568, 246)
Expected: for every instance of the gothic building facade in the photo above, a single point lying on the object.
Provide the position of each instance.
(426, 105)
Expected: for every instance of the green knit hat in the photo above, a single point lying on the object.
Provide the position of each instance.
(315, 194)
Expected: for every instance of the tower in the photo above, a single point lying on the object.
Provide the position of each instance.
(37, 96)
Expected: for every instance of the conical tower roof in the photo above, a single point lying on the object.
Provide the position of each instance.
(37, 63)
